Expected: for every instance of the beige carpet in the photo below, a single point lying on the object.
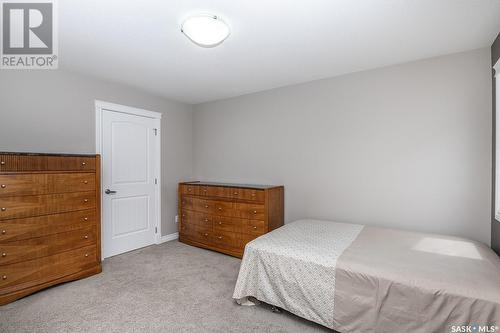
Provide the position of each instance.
(171, 287)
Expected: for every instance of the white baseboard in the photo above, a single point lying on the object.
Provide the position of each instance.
(168, 238)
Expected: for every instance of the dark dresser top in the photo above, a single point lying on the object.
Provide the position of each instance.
(250, 186)
(45, 154)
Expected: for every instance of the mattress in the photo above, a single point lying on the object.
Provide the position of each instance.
(355, 278)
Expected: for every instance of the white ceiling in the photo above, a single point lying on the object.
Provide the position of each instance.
(273, 43)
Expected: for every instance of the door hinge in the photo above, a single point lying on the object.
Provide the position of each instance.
(156, 131)
(156, 230)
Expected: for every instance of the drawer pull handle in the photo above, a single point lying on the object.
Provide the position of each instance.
(2, 163)
(84, 163)
(4, 232)
(4, 277)
(85, 218)
(205, 235)
(183, 215)
(253, 194)
(255, 212)
(206, 220)
(4, 254)
(220, 223)
(220, 208)
(86, 237)
(85, 200)
(86, 254)
(3, 209)
(206, 206)
(220, 237)
(235, 193)
(189, 190)
(85, 182)
(4, 186)
(205, 190)
(254, 228)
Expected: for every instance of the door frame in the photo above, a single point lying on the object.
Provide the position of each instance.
(100, 107)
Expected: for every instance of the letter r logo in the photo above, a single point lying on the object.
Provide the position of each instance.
(27, 28)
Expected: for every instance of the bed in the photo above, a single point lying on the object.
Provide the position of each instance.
(355, 278)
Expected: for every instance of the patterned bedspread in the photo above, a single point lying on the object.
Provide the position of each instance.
(293, 267)
(355, 278)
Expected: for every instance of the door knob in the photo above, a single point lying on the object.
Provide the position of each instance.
(108, 191)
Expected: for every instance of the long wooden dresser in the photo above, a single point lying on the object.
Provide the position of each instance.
(50, 227)
(225, 217)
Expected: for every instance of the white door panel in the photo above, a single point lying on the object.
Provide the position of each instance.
(130, 215)
(128, 162)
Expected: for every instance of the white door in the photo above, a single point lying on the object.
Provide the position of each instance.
(129, 153)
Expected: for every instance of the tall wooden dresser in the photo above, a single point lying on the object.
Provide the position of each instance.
(225, 217)
(49, 221)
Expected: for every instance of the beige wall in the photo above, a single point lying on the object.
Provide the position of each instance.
(407, 146)
(53, 111)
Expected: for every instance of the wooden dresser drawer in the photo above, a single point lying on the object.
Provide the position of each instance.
(250, 211)
(218, 191)
(226, 239)
(196, 218)
(34, 184)
(247, 194)
(226, 224)
(200, 234)
(36, 205)
(207, 206)
(253, 227)
(18, 229)
(203, 190)
(186, 203)
(223, 208)
(37, 271)
(10, 162)
(185, 229)
(197, 204)
(207, 191)
(189, 189)
(212, 191)
(203, 206)
(23, 163)
(236, 193)
(57, 163)
(253, 195)
(28, 249)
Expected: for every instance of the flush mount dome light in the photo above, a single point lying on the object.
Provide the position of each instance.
(205, 30)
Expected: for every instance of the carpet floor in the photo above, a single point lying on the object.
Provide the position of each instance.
(170, 287)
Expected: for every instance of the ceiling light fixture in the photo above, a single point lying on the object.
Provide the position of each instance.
(205, 30)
